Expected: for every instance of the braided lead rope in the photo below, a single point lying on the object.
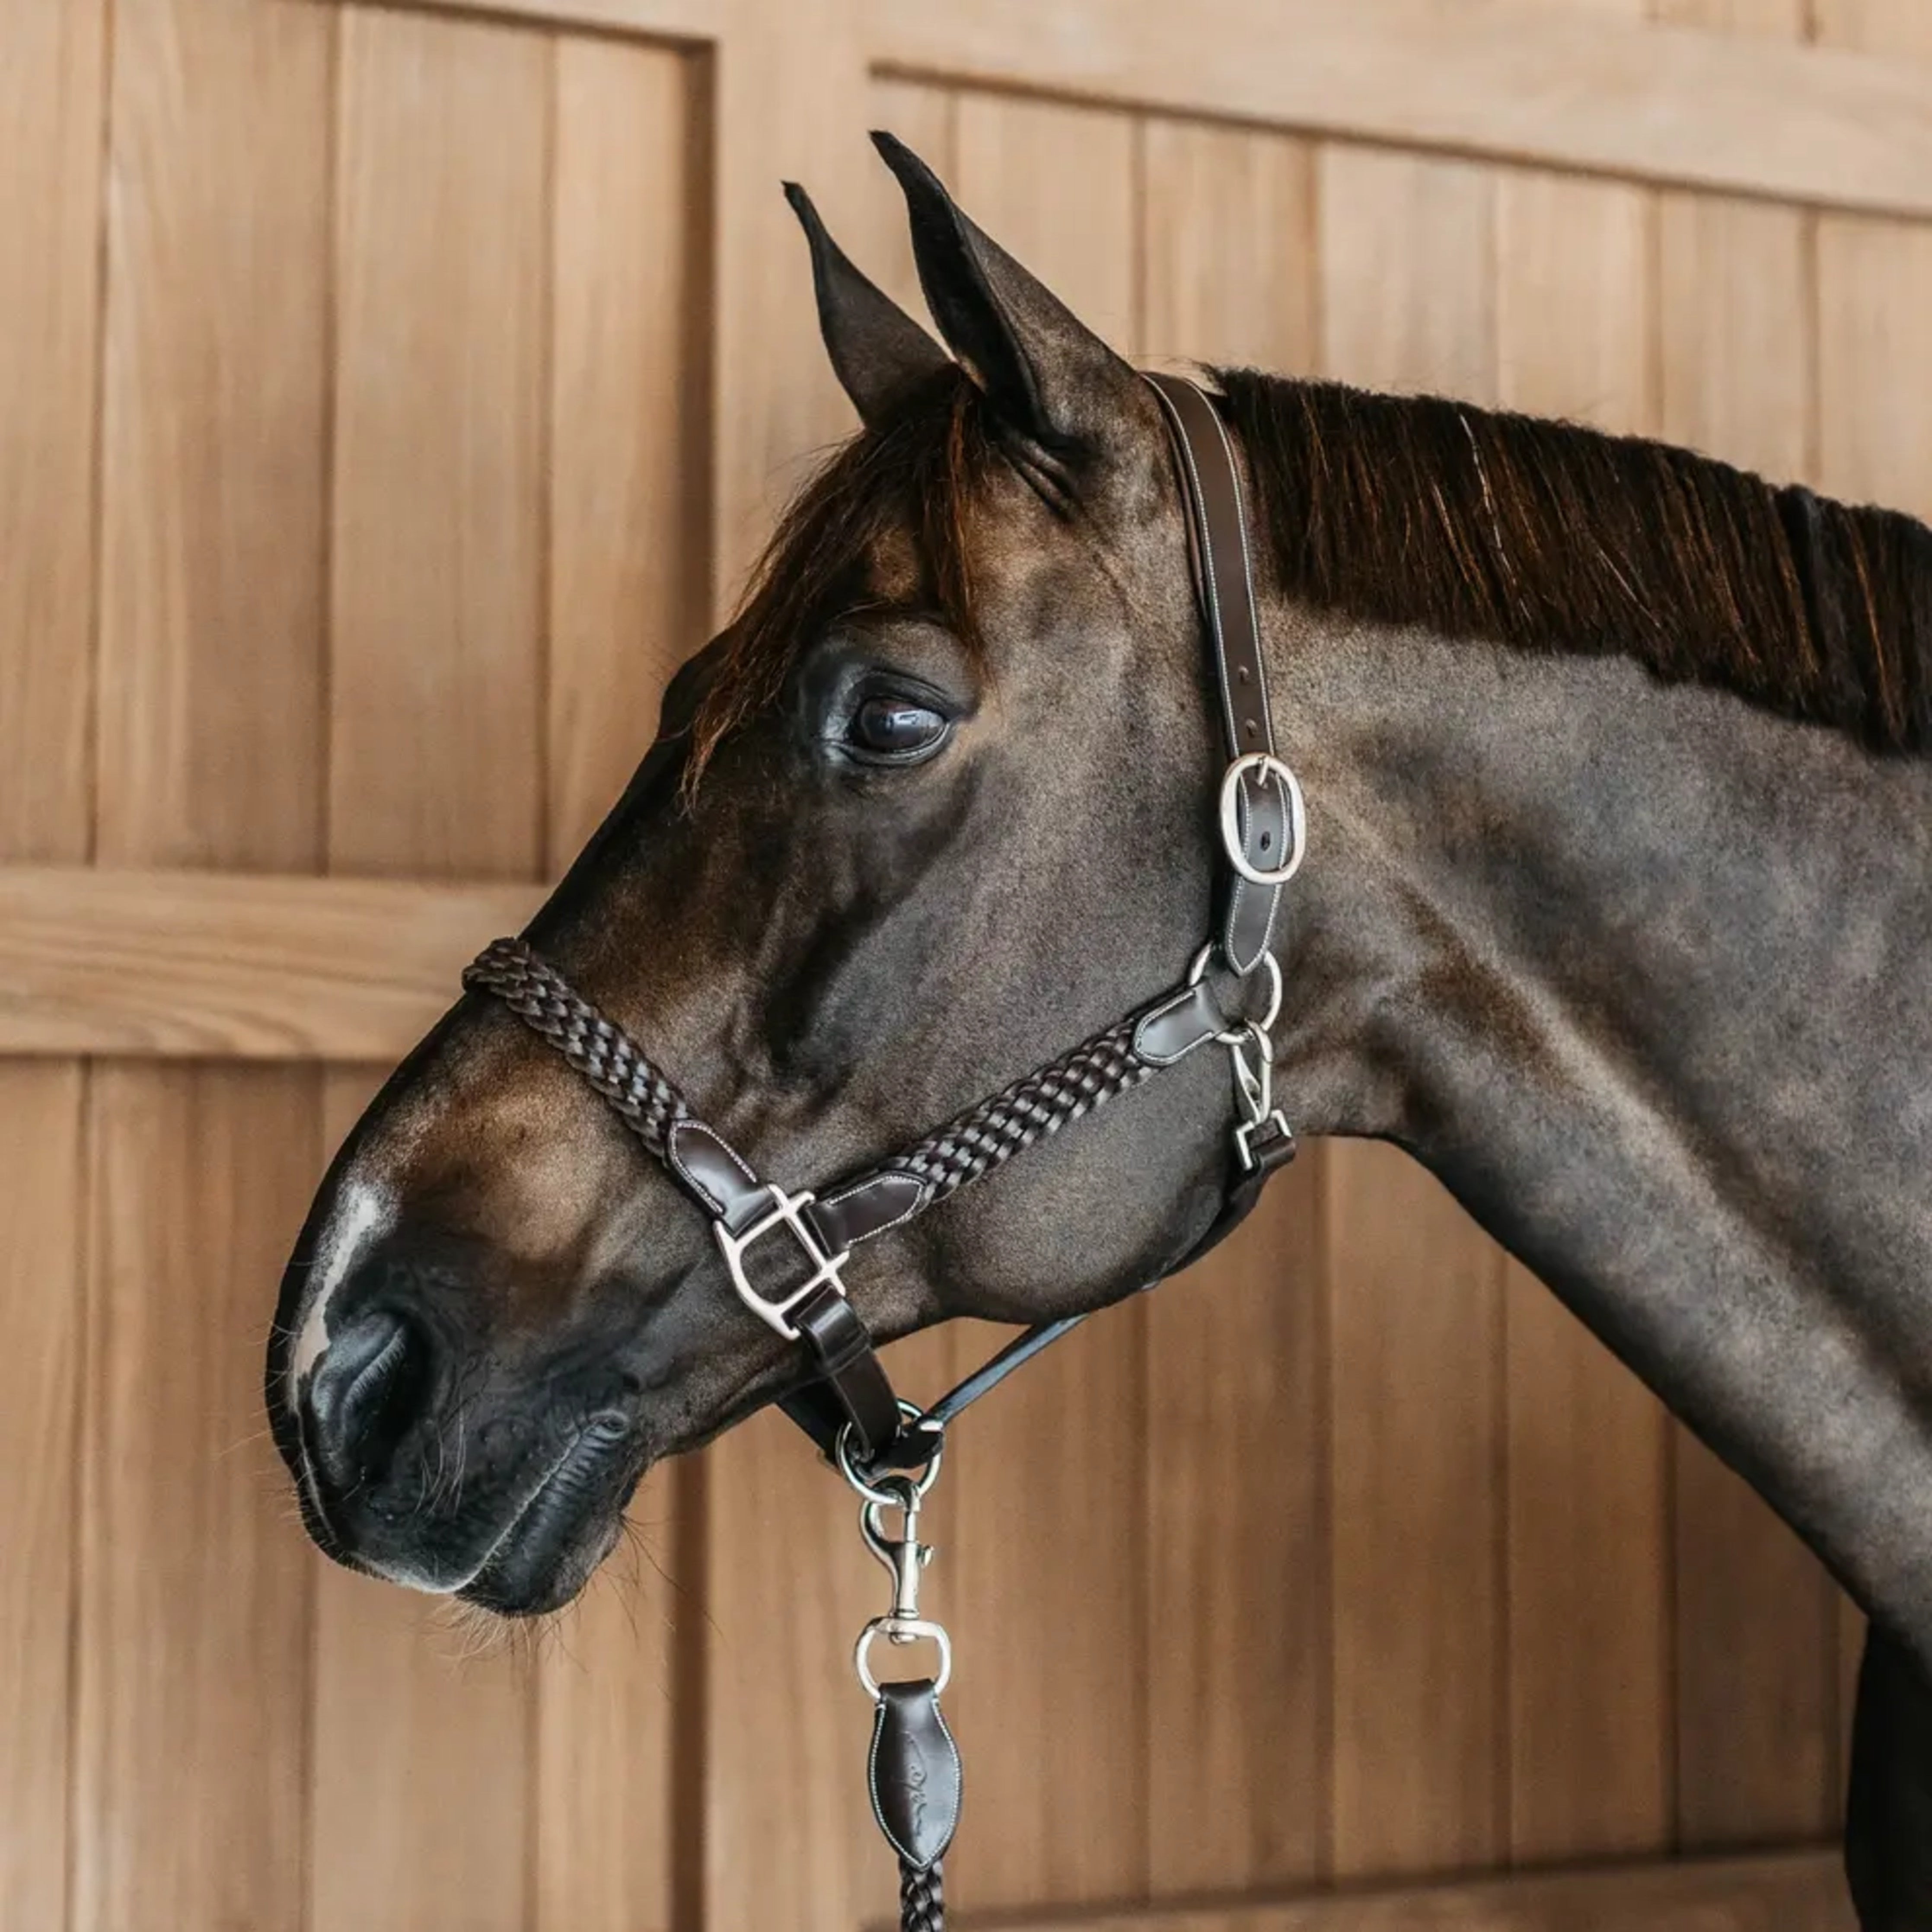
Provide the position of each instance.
(598, 1048)
(921, 1898)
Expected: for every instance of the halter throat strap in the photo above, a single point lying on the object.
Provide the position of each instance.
(785, 1251)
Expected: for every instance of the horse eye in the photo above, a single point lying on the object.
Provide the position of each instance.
(895, 727)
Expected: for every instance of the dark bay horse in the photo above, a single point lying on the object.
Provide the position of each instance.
(1615, 916)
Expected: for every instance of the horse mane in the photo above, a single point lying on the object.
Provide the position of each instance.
(1414, 510)
(1551, 537)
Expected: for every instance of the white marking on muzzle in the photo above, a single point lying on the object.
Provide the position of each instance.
(363, 1213)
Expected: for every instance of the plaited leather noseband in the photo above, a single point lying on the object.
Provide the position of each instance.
(1263, 836)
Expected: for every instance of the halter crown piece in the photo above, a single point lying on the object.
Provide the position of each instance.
(785, 1250)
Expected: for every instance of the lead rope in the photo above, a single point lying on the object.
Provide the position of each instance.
(912, 1768)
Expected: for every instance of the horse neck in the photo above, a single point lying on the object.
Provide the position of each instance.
(1638, 972)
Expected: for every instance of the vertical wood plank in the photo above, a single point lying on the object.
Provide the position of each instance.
(1590, 1716)
(1420, 1747)
(193, 1688)
(438, 516)
(193, 1680)
(42, 1204)
(1874, 423)
(629, 425)
(52, 76)
(220, 183)
(1054, 1725)
(1755, 1632)
(1236, 1431)
(628, 600)
(787, 1838)
(443, 264)
(1421, 1752)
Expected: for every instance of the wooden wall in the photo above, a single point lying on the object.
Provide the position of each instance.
(389, 394)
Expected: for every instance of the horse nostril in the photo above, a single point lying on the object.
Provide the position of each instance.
(367, 1391)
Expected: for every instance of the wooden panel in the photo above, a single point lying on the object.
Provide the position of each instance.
(192, 1710)
(788, 1838)
(42, 1207)
(699, 20)
(1408, 297)
(1419, 1746)
(1590, 1717)
(629, 429)
(628, 589)
(1229, 270)
(192, 1687)
(201, 965)
(1484, 76)
(1803, 1893)
(212, 591)
(443, 258)
(1416, 1396)
(1755, 1671)
(1054, 1726)
(1236, 1431)
(51, 79)
(1874, 413)
(927, 119)
(436, 706)
(1779, 20)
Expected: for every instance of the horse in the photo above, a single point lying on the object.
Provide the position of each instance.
(1613, 915)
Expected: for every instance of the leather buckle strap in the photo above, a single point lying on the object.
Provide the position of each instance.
(1263, 826)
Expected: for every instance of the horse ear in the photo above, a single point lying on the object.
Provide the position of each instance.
(878, 351)
(1047, 375)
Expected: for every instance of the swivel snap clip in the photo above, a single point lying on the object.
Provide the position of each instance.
(1251, 1053)
(904, 1558)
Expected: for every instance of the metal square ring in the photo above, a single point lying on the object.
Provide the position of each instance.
(786, 1211)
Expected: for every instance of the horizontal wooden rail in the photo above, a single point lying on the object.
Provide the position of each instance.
(202, 965)
(1802, 1891)
(1558, 86)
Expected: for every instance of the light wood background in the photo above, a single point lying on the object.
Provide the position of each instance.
(390, 395)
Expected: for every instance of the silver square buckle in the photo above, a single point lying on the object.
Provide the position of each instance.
(786, 1212)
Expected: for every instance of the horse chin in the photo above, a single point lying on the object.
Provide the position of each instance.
(550, 1551)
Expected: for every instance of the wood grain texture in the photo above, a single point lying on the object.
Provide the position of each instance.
(214, 436)
(193, 1705)
(927, 119)
(1750, 115)
(1420, 1739)
(234, 966)
(1755, 1668)
(1420, 1750)
(1407, 298)
(192, 1683)
(628, 587)
(1804, 1892)
(52, 76)
(629, 434)
(1237, 1429)
(1874, 277)
(42, 1301)
(1590, 1713)
(1054, 1725)
(52, 80)
(1228, 258)
(444, 256)
(785, 1584)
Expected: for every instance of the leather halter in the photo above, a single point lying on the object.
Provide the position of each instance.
(801, 1294)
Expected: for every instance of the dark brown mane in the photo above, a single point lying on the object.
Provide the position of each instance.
(1550, 537)
(1414, 510)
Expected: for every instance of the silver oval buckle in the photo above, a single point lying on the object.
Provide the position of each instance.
(786, 1211)
(1265, 765)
